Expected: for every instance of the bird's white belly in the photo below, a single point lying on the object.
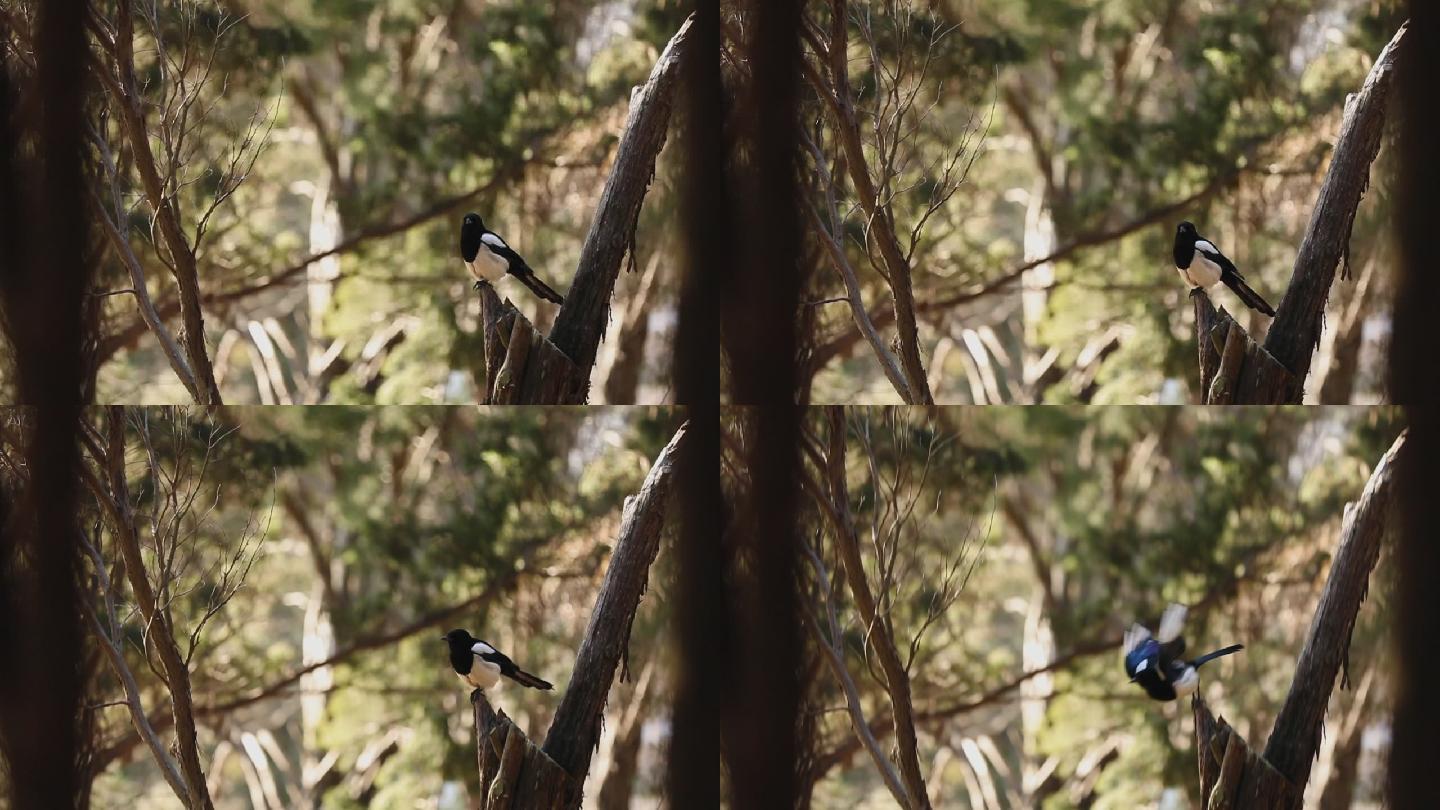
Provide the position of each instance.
(1186, 683)
(1201, 273)
(483, 674)
(487, 266)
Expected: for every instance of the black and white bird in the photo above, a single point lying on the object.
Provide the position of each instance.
(1202, 265)
(488, 258)
(1156, 663)
(480, 665)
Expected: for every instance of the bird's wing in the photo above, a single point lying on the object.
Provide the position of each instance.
(1213, 254)
(494, 240)
(1134, 637)
(1171, 623)
(481, 648)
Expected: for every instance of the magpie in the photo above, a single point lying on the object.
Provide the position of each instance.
(480, 665)
(1155, 662)
(487, 257)
(1202, 264)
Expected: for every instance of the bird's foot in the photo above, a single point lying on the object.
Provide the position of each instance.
(477, 286)
(475, 695)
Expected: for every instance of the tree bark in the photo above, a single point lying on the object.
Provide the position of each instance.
(877, 627)
(576, 728)
(1296, 330)
(522, 367)
(583, 317)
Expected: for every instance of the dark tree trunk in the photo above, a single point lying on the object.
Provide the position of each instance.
(44, 280)
(1414, 383)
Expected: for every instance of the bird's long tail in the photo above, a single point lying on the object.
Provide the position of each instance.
(540, 288)
(1251, 298)
(524, 678)
(1233, 648)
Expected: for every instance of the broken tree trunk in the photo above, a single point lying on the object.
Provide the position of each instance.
(575, 731)
(1232, 775)
(1233, 368)
(514, 773)
(523, 367)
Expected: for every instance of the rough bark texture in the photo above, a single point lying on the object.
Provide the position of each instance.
(522, 367)
(1296, 736)
(514, 773)
(1234, 369)
(586, 311)
(1296, 330)
(575, 731)
(877, 626)
(1232, 775)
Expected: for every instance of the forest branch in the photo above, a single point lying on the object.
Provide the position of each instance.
(155, 613)
(878, 632)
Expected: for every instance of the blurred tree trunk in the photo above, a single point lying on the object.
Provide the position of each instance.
(1339, 790)
(619, 784)
(1337, 386)
(1412, 381)
(622, 380)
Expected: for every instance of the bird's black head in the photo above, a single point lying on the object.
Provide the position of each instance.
(459, 638)
(1185, 227)
(473, 219)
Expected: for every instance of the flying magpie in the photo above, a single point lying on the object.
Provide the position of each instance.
(1155, 663)
(480, 665)
(1202, 264)
(487, 257)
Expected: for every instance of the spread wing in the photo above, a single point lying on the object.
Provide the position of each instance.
(1172, 622)
(1137, 634)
